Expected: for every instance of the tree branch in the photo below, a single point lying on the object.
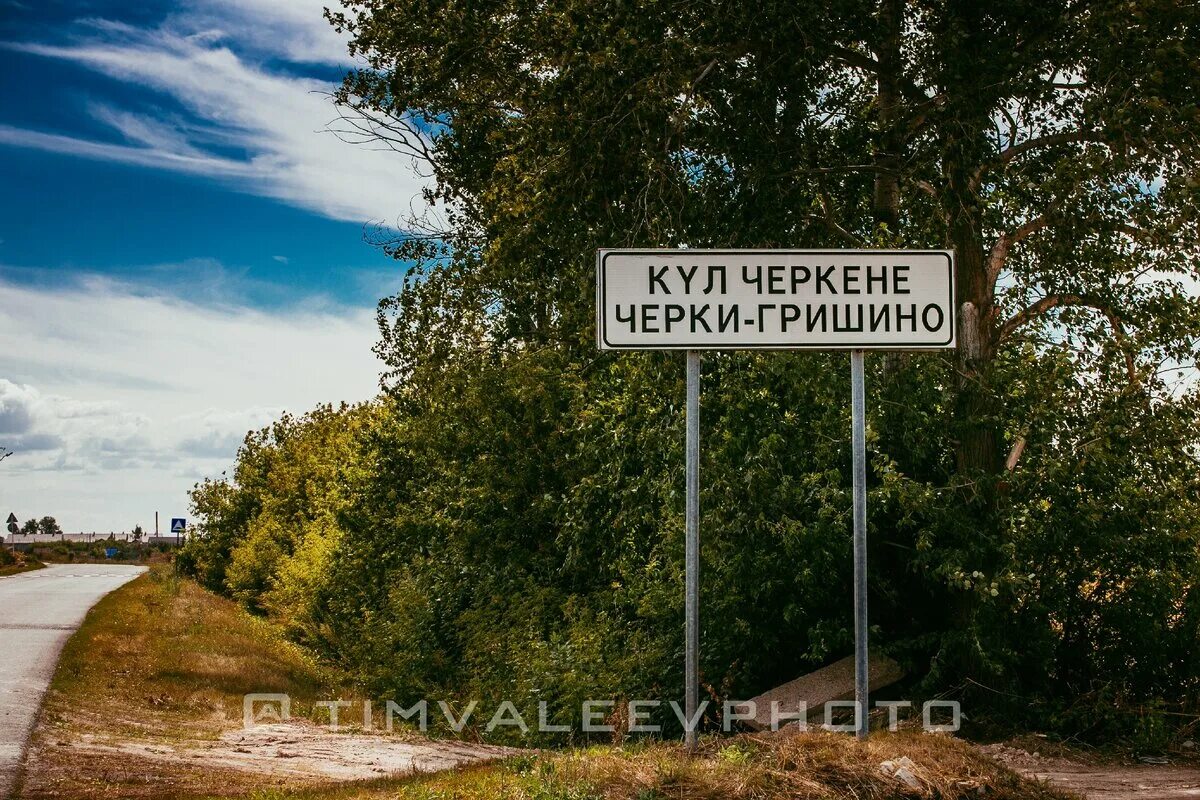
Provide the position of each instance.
(871, 168)
(999, 254)
(1053, 301)
(1013, 151)
(1017, 150)
(831, 223)
(675, 123)
(853, 58)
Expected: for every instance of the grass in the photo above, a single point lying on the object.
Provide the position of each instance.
(762, 767)
(16, 563)
(161, 661)
(184, 655)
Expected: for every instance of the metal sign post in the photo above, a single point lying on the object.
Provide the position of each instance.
(858, 414)
(852, 300)
(692, 551)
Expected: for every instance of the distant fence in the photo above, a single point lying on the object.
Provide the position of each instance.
(18, 539)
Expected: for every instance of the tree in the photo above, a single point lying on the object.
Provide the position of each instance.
(30, 527)
(1051, 145)
(138, 533)
(48, 526)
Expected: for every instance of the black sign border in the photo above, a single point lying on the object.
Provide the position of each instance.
(601, 291)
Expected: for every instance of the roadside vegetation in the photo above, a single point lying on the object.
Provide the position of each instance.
(506, 520)
(12, 563)
(98, 551)
(802, 767)
(159, 667)
(160, 663)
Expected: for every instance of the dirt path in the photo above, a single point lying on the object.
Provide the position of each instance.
(294, 753)
(1103, 781)
(307, 751)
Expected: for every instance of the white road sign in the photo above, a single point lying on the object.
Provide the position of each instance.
(775, 299)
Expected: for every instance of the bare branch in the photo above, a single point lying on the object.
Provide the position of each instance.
(1009, 153)
(827, 218)
(675, 123)
(1013, 127)
(1014, 455)
(931, 190)
(853, 58)
(871, 168)
(1050, 302)
(1017, 150)
(999, 254)
(360, 125)
(928, 188)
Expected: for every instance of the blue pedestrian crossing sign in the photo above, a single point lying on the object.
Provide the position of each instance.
(178, 525)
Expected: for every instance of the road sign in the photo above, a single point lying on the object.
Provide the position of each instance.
(12, 528)
(775, 299)
(178, 525)
(697, 300)
(11, 518)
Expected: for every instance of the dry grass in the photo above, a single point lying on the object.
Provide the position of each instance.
(160, 660)
(763, 767)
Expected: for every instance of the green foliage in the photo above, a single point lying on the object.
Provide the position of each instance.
(506, 521)
(266, 537)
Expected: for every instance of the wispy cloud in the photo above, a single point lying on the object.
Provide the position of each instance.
(157, 157)
(211, 61)
(292, 29)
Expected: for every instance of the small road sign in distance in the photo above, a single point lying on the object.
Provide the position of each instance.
(775, 299)
(178, 525)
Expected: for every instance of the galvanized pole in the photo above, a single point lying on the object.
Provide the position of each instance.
(692, 549)
(858, 413)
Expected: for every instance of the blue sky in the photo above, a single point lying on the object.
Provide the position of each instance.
(182, 250)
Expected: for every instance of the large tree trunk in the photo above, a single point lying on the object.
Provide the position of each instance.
(886, 199)
(978, 456)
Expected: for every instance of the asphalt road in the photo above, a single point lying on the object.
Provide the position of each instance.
(38, 612)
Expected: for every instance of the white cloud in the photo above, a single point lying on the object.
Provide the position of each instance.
(292, 29)
(116, 400)
(279, 121)
(156, 157)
